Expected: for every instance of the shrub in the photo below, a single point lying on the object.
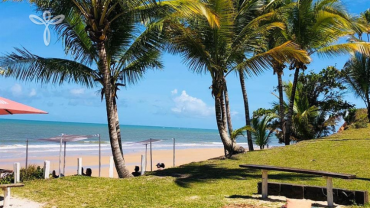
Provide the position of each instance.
(356, 118)
(7, 179)
(32, 172)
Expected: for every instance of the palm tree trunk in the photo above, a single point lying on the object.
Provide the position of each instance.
(288, 126)
(118, 129)
(229, 145)
(368, 105)
(281, 103)
(111, 115)
(246, 109)
(228, 114)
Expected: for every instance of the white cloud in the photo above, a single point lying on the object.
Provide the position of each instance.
(191, 106)
(77, 92)
(234, 113)
(16, 90)
(174, 92)
(33, 93)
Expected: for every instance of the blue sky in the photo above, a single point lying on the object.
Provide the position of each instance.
(173, 97)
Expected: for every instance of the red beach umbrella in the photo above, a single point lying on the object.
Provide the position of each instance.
(8, 107)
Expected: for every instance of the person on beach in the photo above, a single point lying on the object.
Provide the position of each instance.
(160, 166)
(136, 173)
(88, 172)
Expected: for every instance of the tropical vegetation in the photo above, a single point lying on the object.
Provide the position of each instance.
(319, 105)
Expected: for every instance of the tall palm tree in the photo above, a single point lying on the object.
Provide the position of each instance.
(215, 50)
(357, 75)
(316, 27)
(103, 33)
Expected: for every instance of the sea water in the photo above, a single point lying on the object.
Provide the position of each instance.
(15, 133)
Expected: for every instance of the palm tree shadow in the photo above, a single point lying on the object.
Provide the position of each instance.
(194, 173)
(267, 200)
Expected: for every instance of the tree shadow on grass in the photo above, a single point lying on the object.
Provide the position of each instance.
(255, 198)
(195, 173)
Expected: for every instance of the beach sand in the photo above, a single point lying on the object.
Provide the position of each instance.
(183, 156)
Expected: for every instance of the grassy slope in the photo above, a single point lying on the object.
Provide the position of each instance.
(214, 183)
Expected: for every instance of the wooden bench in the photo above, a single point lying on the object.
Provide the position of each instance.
(327, 175)
(6, 189)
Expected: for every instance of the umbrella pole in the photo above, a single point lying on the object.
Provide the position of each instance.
(99, 156)
(26, 153)
(174, 152)
(60, 155)
(64, 163)
(151, 156)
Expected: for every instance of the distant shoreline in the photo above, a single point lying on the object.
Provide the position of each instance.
(129, 125)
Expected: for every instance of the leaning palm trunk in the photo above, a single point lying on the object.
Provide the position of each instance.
(228, 114)
(118, 129)
(288, 126)
(111, 114)
(246, 109)
(229, 145)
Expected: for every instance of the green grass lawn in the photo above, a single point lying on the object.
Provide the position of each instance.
(216, 182)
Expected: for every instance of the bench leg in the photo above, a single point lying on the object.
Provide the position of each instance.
(6, 197)
(264, 184)
(329, 191)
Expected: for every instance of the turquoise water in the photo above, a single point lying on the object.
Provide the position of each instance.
(14, 133)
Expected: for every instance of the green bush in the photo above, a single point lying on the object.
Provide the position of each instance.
(357, 118)
(7, 179)
(33, 172)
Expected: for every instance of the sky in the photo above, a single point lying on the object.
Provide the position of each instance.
(172, 97)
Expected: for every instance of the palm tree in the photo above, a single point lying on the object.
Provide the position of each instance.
(103, 33)
(316, 27)
(218, 50)
(262, 129)
(356, 74)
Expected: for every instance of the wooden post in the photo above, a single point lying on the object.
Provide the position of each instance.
(174, 151)
(79, 166)
(329, 191)
(146, 155)
(6, 197)
(26, 153)
(64, 162)
(111, 163)
(16, 169)
(143, 161)
(60, 157)
(46, 169)
(99, 155)
(151, 156)
(264, 184)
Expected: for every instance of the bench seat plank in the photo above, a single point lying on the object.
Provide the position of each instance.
(2, 186)
(295, 170)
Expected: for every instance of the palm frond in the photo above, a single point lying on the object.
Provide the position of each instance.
(26, 66)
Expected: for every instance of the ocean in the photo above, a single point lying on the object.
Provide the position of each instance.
(15, 133)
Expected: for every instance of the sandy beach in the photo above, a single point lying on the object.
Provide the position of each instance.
(183, 156)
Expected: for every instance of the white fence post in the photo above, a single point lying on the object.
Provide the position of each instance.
(79, 166)
(46, 169)
(16, 169)
(111, 163)
(6, 197)
(143, 166)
